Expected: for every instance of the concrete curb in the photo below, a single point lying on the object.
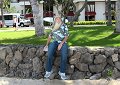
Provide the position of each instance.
(15, 81)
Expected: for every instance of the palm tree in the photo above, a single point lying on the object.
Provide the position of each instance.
(117, 29)
(37, 15)
(6, 4)
(109, 22)
(2, 12)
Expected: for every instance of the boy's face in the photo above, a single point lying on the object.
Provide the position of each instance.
(58, 19)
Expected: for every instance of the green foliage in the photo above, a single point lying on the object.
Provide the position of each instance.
(91, 22)
(46, 23)
(6, 4)
(11, 10)
(110, 72)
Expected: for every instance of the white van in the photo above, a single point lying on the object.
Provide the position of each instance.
(24, 22)
(20, 20)
(9, 18)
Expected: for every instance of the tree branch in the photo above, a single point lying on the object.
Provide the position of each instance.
(78, 12)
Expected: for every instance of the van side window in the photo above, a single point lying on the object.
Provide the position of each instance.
(8, 17)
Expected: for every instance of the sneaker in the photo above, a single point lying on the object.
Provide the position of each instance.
(47, 74)
(62, 75)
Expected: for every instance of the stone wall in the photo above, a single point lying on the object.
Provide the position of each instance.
(28, 61)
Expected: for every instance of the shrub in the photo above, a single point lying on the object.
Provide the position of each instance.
(90, 22)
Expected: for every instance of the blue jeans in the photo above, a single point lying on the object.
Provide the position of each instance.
(63, 52)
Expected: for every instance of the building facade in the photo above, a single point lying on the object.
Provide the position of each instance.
(95, 9)
(21, 6)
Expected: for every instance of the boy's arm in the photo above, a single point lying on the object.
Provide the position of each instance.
(48, 40)
(63, 41)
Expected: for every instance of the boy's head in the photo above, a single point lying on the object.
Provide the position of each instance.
(58, 19)
(57, 22)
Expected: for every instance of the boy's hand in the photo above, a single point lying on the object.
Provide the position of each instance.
(59, 46)
(45, 48)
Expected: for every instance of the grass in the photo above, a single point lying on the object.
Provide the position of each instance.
(6, 28)
(21, 37)
(94, 36)
(79, 36)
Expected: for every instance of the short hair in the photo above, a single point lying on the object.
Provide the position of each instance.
(58, 17)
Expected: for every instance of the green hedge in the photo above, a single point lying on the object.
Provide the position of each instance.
(46, 23)
(90, 22)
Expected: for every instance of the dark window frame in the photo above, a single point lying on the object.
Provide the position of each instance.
(90, 11)
(90, 7)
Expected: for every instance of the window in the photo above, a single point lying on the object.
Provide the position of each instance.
(23, 0)
(113, 5)
(113, 10)
(8, 17)
(90, 11)
(14, 1)
(90, 7)
(48, 10)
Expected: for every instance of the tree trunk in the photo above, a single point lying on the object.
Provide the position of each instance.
(77, 14)
(109, 22)
(117, 30)
(65, 8)
(38, 18)
(2, 13)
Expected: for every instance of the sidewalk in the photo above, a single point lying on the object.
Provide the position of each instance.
(46, 27)
(19, 29)
(23, 28)
(15, 81)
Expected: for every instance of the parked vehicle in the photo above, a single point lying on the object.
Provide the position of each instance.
(24, 22)
(1, 24)
(8, 18)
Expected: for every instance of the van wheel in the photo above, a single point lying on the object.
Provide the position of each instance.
(22, 25)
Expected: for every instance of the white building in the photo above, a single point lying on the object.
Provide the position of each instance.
(20, 5)
(95, 10)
